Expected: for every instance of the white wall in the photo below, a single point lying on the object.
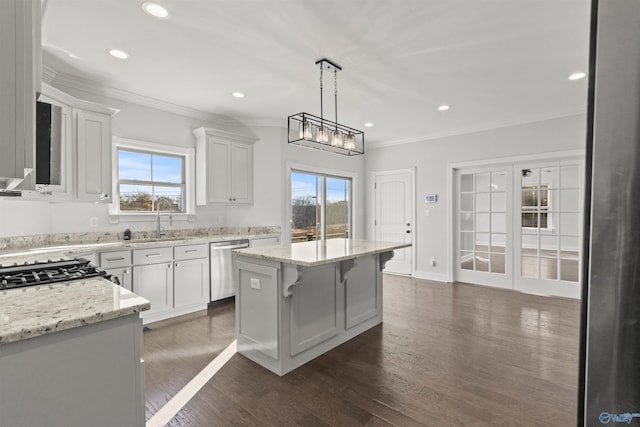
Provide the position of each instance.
(432, 157)
(271, 153)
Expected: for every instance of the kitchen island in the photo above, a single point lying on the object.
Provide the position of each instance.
(70, 352)
(295, 302)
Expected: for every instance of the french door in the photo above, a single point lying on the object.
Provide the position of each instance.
(518, 226)
(484, 240)
(548, 216)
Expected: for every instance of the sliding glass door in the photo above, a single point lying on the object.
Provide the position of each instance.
(320, 206)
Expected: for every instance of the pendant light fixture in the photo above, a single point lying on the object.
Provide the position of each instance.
(312, 131)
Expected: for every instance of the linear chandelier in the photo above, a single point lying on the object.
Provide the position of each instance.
(311, 131)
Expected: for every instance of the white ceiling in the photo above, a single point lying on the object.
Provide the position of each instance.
(496, 62)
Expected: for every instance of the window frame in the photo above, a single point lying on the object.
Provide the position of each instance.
(323, 203)
(187, 153)
(317, 170)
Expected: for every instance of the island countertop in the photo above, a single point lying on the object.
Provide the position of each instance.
(38, 310)
(320, 252)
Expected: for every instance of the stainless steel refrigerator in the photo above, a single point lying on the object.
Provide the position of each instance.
(609, 388)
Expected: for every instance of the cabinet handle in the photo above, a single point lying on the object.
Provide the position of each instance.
(177, 265)
(126, 272)
(153, 255)
(116, 259)
(168, 265)
(229, 198)
(188, 251)
(234, 199)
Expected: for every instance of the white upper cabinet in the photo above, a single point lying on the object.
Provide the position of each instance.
(94, 155)
(20, 72)
(224, 167)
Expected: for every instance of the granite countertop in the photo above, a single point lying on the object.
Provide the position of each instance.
(108, 240)
(38, 310)
(320, 252)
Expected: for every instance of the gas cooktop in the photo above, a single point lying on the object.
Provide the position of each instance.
(43, 273)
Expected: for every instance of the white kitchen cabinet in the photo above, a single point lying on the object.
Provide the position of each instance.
(118, 264)
(155, 283)
(224, 167)
(20, 71)
(93, 155)
(191, 277)
(123, 274)
(191, 283)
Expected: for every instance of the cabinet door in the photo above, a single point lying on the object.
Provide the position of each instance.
(19, 49)
(61, 160)
(191, 282)
(241, 173)
(219, 172)
(123, 275)
(94, 156)
(155, 283)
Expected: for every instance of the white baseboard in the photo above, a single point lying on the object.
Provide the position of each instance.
(437, 277)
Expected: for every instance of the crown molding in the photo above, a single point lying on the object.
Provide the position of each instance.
(86, 85)
(485, 127)
(48, 74)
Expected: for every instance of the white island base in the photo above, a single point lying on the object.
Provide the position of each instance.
(290, 310)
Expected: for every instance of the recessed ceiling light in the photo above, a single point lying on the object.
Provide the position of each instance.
(154, 9)
(368, 124)
(238, 94)
(577, 76)
(443, 107)
(117, 53)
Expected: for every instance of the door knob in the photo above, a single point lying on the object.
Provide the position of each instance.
(408, 231)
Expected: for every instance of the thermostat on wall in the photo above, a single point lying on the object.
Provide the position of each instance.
(431, 198)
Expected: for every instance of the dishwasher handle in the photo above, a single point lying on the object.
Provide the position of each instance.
(218, 248)
(230, 244)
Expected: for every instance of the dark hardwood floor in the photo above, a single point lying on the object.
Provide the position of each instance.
(446, 354)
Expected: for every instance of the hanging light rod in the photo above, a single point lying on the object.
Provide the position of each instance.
(311, 131)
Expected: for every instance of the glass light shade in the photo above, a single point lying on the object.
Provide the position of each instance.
(350, 142)
(336, 138)
(323, 134)
(305, 130)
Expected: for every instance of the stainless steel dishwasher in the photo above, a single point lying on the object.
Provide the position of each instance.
(221, 269)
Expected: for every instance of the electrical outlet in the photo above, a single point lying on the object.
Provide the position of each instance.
(93, 221)
(255, 283)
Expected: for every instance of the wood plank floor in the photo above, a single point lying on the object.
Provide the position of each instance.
(446, 354)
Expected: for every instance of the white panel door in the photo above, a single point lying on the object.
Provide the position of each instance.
(483, 225)
(393, 216)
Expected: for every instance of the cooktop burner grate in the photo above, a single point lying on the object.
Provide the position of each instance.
(43, 273)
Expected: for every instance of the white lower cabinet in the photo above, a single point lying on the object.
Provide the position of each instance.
(175, 280)
(155, 283)
(191, 282)
(124, 277)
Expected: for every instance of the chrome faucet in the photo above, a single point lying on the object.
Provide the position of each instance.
(159, 231)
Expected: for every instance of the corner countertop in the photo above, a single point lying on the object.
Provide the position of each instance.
(38, 310)
(320, 252)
